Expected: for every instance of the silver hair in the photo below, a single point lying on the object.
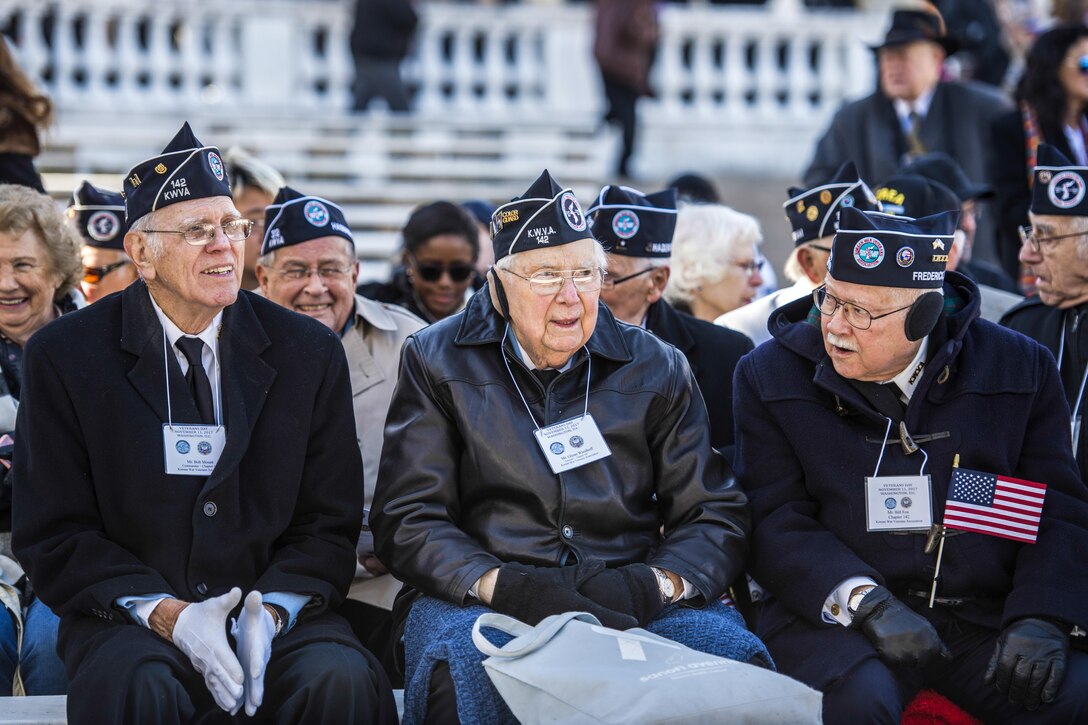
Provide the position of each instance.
(705, 239)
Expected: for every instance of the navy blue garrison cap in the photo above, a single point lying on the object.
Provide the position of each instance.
(99, 216)
(814, 213)
(1059, 185)
(632, 224)
(185, 170)
(881, 250)
(294, 218)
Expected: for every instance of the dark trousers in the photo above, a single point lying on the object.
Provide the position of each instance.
(379, 78)
(374, 628)
(621, 110)
(873, 692)
(134, 676)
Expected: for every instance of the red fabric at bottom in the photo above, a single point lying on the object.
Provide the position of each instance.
(929, 708)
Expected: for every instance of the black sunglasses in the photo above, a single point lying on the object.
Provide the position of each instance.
(94, 275)
(432, 271)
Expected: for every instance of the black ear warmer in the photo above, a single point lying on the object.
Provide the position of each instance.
(500, 292)
(923, 315)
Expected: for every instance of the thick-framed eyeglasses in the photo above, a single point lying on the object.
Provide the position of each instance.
(432, 271)
(199, 235)
(608, 282)
(858, 317)
(94, 275)
(550, 281)
(1033, 240)
(327, 273)
(750, 268)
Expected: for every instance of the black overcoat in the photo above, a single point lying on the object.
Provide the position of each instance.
(97, 518)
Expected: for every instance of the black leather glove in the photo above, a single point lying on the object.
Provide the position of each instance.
(1029, 662)
(531, 593)
(900, 635)
(630, 589)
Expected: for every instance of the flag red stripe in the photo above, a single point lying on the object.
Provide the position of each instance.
(1022, 482)
(975, 509)
(1018, 526)
(1018, 506)
(993, 532)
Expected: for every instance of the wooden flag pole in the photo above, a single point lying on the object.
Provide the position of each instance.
(940, 547)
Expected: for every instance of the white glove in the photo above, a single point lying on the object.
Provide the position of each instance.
(253, 631)
(201, 633)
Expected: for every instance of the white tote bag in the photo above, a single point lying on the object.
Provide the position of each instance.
(570, 669)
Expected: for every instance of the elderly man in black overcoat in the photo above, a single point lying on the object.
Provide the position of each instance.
(850, 423)
(182, 445)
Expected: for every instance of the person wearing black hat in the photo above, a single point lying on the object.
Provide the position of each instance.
(308, 265)
(636, 232)
(184, 443)
(534, 449)
(912, 112)
(1055, 248)
(942, 168)
(99, 217)
(814, 216)
(915, 195)
(854, 418)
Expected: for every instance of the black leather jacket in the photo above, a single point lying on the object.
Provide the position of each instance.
(464, 487)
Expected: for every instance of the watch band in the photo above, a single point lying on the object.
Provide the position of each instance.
(664, 585)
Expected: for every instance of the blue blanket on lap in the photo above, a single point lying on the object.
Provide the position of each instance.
(438, 631)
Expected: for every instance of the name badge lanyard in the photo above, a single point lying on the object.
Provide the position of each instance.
(589, 371)
(1073, 421)
(887, 433)
(216, 397)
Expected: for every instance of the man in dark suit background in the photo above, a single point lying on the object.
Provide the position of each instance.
(186, 445)
(636, 231)
(912, 112)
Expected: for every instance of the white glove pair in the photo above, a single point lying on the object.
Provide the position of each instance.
(231, 677)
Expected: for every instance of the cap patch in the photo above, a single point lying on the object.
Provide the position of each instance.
(868, 252)
(316, 213)
(625, 224)
(572, 212)
(905, 257)
(1066, 190)
(103, 225)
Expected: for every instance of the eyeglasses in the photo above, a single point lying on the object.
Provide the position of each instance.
(858, 317)
(198, 235)
(432, 271)
(1029, 237)
(750, 268)
(550, 281)
(327, 274)
(94, 275)
(608, 283)
(1081, 64)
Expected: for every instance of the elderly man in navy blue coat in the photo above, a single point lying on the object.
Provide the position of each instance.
(849, 425)
(186, 444)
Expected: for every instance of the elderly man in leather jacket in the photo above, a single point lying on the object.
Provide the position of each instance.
(540, 458)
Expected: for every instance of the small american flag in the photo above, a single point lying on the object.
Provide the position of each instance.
(996, 505)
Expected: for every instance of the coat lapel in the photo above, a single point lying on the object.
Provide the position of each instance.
(246, 380)
(142, 336)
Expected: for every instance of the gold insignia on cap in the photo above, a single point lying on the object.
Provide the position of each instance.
(160, 169)
(134, 180)
(508, 216)
(938, 244)
(890, 195)
(940, 257)
(800, 206)
(813, 213)
(825, 196)
(1044, 177)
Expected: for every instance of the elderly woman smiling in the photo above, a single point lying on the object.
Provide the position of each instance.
(715, 260)
(39, 270)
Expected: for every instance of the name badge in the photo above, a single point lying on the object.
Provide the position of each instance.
(572, 443)
(1075, 426)
(899, 503)
(192, 450)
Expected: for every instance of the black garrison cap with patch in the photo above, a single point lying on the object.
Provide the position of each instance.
(546, 215)
(1059, 185)
(632, 224)
(814, 213)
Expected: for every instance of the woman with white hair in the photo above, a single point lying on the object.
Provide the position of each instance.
(715, 260)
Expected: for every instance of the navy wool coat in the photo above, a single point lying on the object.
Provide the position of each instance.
(97, 518)
(806, 440)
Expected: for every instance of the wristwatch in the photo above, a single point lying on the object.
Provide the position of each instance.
(664, 584)
(854, 602)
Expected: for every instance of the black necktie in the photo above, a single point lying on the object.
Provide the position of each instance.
(915, 147)
(546, 375)
(199, 385)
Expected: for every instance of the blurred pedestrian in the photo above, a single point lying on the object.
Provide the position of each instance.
(25, 113)
(379, 42)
